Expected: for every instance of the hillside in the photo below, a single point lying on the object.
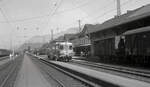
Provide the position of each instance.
(38, 41)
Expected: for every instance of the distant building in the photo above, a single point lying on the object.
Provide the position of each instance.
(81, 41)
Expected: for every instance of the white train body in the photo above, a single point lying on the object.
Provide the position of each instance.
(65, 49)
(62, 51)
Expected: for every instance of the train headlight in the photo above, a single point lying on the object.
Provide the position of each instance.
(71, 54)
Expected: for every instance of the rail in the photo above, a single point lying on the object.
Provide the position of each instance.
(126, 70)
(85, 79)
(3, 58)
(62, 71)
(12, 73)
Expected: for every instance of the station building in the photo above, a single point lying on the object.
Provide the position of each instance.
(105, 37)
(82, 42)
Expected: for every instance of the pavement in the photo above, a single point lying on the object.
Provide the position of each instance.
(30, 75)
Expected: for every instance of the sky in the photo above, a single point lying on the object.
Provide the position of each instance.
(23, 19)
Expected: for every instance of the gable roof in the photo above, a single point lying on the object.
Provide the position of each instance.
(130, 16)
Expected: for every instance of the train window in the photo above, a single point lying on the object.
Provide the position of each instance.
(70, 47)
(56, 47)
(61, 47)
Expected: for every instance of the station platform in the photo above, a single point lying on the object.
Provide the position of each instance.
(107, 77)
(78, 57)
(91, 58)
(30, 75)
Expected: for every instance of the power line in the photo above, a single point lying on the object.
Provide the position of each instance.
(25, 19)
(107, 12)
(7, 21)
(56, 8)
(46, 15)
(32, 18)
(104, 7)
(54, 13)
(60, 12)
(111, 10)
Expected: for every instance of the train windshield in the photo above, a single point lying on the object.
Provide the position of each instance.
(70, 47)
(65, 47)
(61, 47)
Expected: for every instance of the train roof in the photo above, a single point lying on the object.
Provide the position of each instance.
(63, 43)
(139, 30)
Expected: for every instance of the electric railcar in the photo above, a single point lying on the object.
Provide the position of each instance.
(61, 51)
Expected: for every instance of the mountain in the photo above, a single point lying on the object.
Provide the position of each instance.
(38, 41)
(31, 45)
(46, 38)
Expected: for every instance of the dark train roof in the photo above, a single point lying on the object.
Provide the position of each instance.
(139, 30)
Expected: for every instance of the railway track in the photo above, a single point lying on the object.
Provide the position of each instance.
(86, 77)
(62, 77)
(9, 72)
(47, 74)
(3, 58)
(143, 75)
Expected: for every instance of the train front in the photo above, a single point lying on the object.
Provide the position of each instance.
(66, 51)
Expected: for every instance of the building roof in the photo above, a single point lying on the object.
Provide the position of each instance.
(65, 37)
(88, 28)
(139, 30)
(130, 16)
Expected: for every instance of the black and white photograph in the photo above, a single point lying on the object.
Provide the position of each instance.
(74, 43)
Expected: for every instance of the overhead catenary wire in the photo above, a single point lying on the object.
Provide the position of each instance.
(55, 13)
(100, 16)
(31, 18)
(55, 9)
(111, 10)
(71, 9)
(46, 15)
(7, 21)
(105, 13)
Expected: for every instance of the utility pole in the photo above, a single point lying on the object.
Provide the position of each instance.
(79, 21)
(117, 38)
(7, 21)
(118, 8)
(52, 35)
